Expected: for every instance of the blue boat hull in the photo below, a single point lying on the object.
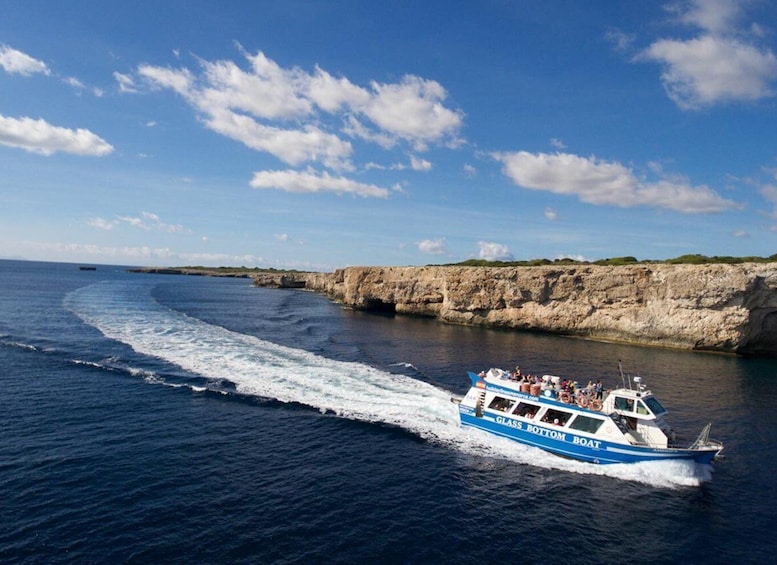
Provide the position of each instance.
(584, 448)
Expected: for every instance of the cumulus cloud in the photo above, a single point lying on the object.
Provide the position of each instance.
(599, 182)
(551, 214)
(491, 251)
(432, 246)
(38, 136)
(311, 181)
(418, 164)
(291, 113)
(14, 61)
(412, 110)
(714, 16)
(292, 146)
(722, 64)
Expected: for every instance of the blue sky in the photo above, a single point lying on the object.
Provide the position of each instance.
(318, 135)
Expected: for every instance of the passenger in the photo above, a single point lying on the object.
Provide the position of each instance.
(599, 389)
(518, 372)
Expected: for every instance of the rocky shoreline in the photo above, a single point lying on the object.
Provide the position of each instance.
(713, 307)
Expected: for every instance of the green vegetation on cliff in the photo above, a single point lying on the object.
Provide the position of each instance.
(691, 259)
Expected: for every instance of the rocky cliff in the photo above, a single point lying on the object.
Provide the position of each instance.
(731, 308)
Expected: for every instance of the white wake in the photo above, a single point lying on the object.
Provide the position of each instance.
(128, 313)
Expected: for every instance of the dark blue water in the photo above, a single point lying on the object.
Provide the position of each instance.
(152, 418)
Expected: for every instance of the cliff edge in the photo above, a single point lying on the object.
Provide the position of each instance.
(715, 307)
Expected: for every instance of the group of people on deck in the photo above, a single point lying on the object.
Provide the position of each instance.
(567, 390)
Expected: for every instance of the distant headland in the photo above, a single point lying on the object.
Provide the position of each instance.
(694, 302)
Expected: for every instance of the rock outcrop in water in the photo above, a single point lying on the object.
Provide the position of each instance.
(716, 307)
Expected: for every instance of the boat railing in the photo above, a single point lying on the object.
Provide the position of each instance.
(704, 441)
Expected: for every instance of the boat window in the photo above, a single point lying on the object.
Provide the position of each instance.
(500, 403)
(626, 404)
(641, 408)
(526, 410)
(654, 405)
(586, 424)
(558, 417)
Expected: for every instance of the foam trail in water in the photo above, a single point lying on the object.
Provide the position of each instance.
(128, 313)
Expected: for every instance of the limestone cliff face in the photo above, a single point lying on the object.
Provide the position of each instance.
(729, 308)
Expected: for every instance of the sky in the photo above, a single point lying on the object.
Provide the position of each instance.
(298, 134)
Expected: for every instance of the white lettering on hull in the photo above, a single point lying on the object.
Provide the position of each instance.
(549, 433)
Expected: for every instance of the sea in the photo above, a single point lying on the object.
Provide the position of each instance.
(150, 418)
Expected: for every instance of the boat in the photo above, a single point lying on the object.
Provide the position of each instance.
(87, 268)
(623, 425)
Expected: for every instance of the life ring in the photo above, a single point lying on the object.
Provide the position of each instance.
(582, 402)
(596, 404)
(564, 397)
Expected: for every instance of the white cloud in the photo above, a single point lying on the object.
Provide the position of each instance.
(147, 221)
(126, 83)
(491, 251)
(714, 16)
(132, 255)
(354, 128)
(432, 246)
(418, 164)
(292, 146)
(412, 110)
(720, 65)
(557, 143)
(333, 95)
(283, 111)
(38, 136)
(74, 82)
(14, 61)
(178, 80)
(309, 181)
(101, 224)
(269, 92)
(607, 183)
(551, 214)
(704, 71)
(769, 192)
(470, 171)
(80, 86)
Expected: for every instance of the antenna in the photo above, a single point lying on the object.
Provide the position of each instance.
(620, 368)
